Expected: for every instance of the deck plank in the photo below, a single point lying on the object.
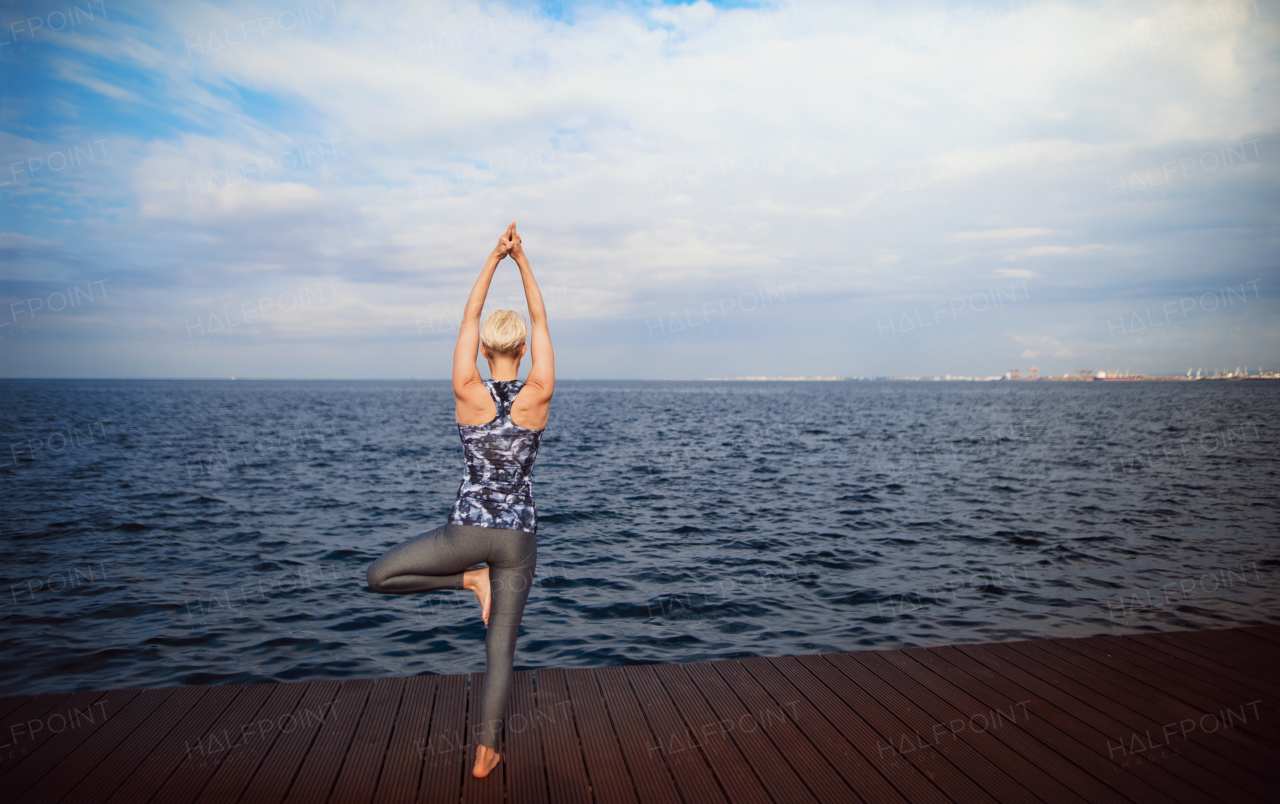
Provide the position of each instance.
(23, 729)
(1214, 652)
(1118, 723)
(1067, 720)
(1086, 723)
(280, 767)
(1049, 718)
(12, 703)
(1230, 642)
(1176, 650)
(610, 779)
(567, 780)
(992, 732)
(776, 721)
(1197, 698)
(956, 766)
(361, 766)
(444, 752)
(821, 684)
(922, 711)
(1253, 641)
(1143, 709)
(90, 753)
(324, 756)
(205, 749)
(893, 720)
(402, 766)
(1205, 673)
(118, 758)
(1269, 634)
(672, 742)
(44, 701)
(734, 720)
(1191, 674)
(525, 772)
(151, 773)
(1248, 654)
(59, 751)
(639, 746)
(238, 760)
(844, 758)
(740, 782)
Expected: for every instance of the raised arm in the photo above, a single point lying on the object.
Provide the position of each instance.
(468, 391)
(535, 397)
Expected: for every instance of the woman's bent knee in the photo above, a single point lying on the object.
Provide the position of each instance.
(374, 578)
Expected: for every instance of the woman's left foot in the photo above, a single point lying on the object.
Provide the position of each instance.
(478, 582)
(486, 761)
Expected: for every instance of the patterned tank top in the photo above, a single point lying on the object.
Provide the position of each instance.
(496, 490)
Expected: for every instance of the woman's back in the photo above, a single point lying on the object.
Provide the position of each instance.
(497, 487)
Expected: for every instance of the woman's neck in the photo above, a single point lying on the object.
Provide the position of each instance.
(504, 372)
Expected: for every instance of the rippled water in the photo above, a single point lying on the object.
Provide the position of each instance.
(201, 532)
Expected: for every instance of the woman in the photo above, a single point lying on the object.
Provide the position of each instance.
(493, 521)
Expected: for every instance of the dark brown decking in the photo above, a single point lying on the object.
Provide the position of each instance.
(1182, 716)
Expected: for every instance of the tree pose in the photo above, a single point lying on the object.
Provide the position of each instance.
(493, 521)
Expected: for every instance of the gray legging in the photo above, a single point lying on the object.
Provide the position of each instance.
(436, 560)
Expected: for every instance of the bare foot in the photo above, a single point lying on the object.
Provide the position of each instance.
(477, 580)
(486, 760)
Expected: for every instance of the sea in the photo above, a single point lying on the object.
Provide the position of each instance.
(161, 533)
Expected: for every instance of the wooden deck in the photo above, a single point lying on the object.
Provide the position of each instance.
(1183, 716)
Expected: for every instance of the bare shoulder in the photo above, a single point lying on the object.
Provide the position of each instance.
(532, 406)
(473, 405)
(536, 389)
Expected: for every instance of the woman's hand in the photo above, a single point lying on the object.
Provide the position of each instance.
(517, 245)
(508, 240)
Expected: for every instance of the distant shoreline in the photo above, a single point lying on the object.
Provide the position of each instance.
(1174, 378)
(1153, 378)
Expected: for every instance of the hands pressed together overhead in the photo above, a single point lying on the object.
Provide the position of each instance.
(509, 244)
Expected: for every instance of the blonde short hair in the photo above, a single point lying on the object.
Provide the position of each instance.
(504, 332)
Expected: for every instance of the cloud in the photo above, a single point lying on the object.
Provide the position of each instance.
(998, 234)
(659, 157)
(1013, 254)
(16, 240)
(68, 71)
(1042, 344)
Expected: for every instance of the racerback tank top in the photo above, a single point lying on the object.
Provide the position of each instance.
(497, 490)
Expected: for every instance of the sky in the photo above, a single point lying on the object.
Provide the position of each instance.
(309, 189)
